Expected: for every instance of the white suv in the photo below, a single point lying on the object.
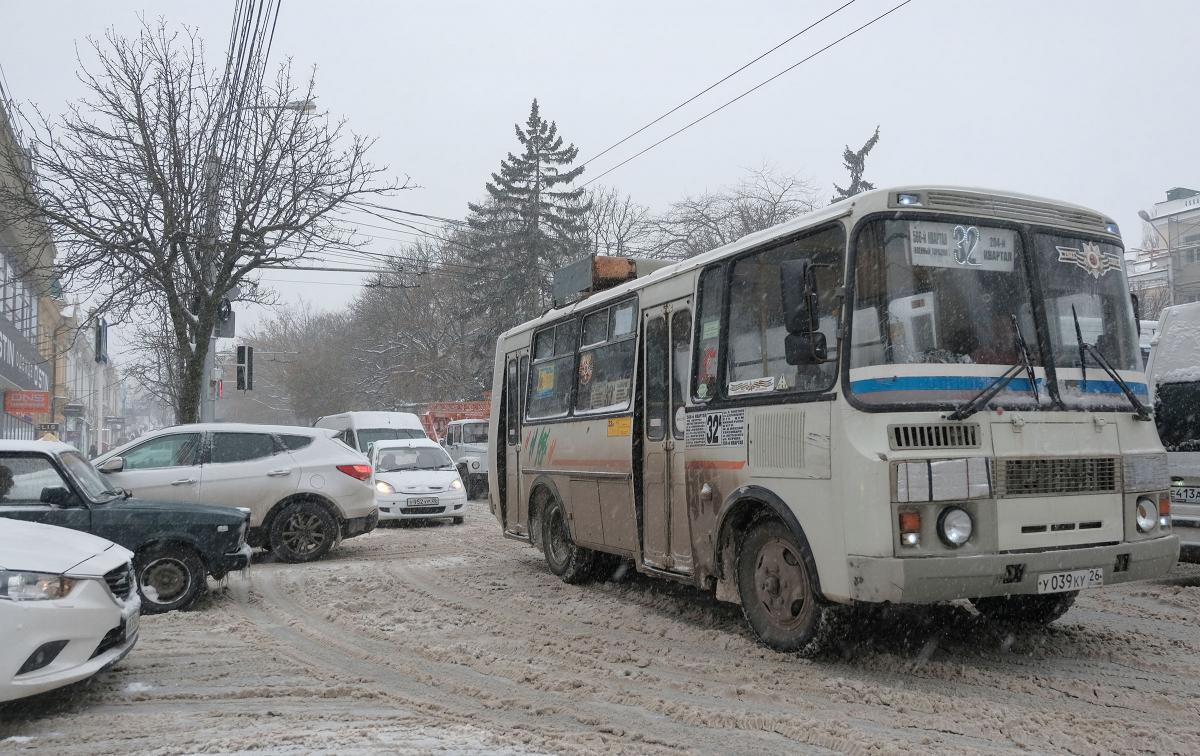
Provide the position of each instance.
(305, 490)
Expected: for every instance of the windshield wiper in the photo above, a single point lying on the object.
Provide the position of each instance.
(1023, 348)
(975, 403)
(1139, 409)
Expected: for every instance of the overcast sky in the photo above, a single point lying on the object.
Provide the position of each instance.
(1083, 101)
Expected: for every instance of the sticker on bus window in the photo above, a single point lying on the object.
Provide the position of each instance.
(720, 428)
(710, 329)
(1091, 258)
(950, 245)
(752, 386)
(545, 382)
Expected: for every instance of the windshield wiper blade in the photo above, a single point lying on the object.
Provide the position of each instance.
(1023, 350)
(975, 403)
(1139, 409)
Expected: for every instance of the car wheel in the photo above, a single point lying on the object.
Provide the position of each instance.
(1032, 609)
(775, 574)
(571, 562)
(169, 577)
(302, 532)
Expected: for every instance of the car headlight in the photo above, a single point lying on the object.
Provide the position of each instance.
(954, 526)
(456, 484)
(1145, 514)
(383, 487)
(34, 586)
(1146, 472)
(474, 464)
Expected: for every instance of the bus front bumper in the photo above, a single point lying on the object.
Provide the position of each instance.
(924, 580)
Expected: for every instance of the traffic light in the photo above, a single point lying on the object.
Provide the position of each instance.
(245, 368)
(100, 347)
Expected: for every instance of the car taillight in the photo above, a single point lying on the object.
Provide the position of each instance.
(360, 472)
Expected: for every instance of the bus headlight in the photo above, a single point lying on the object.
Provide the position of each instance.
(1145, 472)
(942, 480)
(1145, 514)
(954, 526)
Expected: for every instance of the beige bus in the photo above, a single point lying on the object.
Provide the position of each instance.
(889, 400)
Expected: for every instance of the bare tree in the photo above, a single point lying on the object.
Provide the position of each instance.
(170, 184)
(698, 224)
(616, 225)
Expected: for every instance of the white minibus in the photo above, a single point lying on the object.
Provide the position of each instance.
(892, 399)
(360, 429)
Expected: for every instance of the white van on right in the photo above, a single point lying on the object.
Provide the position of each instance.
(1174, 376)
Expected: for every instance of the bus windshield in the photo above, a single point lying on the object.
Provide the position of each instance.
(940, 299)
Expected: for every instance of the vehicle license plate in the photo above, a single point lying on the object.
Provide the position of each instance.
(1185, 495)
(1058, 582)
(425, 501)
(131, 625)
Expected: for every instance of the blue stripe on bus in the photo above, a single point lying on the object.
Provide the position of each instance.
(978, 383)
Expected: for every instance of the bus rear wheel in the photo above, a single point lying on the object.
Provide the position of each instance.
(1027, 608)
(775, 573)
(570, 561)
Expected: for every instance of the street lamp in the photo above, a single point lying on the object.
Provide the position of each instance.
(1145, 216)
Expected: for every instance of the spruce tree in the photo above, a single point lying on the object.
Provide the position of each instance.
(531, 223)
(855, 163)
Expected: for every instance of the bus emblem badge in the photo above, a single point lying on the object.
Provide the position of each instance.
(1090, 258)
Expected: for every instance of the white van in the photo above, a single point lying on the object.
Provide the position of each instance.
(1174, 375)
(359, 430)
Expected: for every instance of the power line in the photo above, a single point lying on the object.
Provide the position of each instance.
(364, 203)
(716, 84)
(756, 87)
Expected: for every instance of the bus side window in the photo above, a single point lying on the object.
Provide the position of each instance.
(511, 418)
(708, 334)
(681, 343)
(553, 371)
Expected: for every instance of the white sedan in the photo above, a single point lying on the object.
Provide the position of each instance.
(68, 607)
(415, 479)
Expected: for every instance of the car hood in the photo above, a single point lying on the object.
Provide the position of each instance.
(419, 481)
(206, 513)
(46, 548)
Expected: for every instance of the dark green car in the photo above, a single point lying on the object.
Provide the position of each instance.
(174, 545)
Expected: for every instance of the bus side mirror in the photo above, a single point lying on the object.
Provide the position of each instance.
(804, 344)
(805, 348)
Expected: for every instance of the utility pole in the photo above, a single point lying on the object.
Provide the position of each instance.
(208, 397)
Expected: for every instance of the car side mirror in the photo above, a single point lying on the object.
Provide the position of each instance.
(58, 496)
(112, 465)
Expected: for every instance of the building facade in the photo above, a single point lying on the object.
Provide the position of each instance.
(1167, 271)
(25, 276)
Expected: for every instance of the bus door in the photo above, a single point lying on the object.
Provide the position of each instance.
(515, 506)
(667, 541)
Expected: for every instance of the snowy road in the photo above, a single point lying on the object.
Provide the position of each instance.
(450, 639)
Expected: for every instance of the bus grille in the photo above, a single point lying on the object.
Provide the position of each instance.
(1073, 475)
(1017, 209)
(934, 436)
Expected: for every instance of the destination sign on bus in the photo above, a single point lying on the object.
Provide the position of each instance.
(949, 245)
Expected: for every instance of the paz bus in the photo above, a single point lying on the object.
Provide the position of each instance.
(888, 400)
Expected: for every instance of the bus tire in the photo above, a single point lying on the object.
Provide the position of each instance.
(1025, 608)
(571, 562)
(776, 576)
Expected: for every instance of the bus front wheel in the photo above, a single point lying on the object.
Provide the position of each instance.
(570, 561)
(775, 573)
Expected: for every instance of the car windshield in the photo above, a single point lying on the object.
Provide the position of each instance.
(1084, 283)
(368, 436)
(87, 478)
(939, 299)
(475, 433)
(413, 458)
